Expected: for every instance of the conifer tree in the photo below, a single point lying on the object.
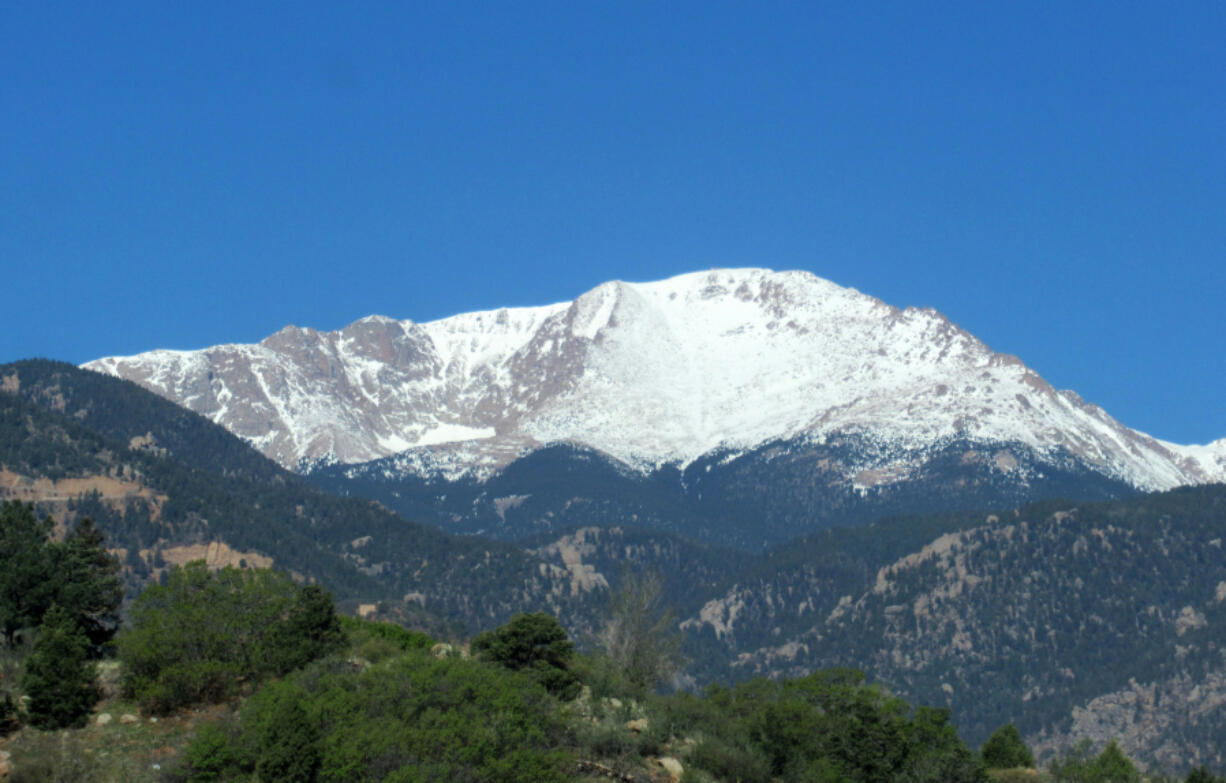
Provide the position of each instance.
(536, 644)
(59, 678)
(288, 744)
(1006, 750)
(25, 590)
(88, 582)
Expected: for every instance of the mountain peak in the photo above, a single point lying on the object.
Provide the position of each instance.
(649, 373)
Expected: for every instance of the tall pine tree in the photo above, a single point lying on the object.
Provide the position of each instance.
(59, 678)
(88, 583)
(25, 568)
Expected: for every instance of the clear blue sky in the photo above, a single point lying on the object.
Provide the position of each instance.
(1052, 176)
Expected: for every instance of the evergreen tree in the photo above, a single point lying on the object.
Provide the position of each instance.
(311, 631)
(1109, 766)
(88, 582)
(1202, 775)
(288, 744)
(534, 643)
(1113, 766)
(1006, 750)
(25, 586)
(59, 678)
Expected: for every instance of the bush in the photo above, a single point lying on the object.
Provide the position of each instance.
(1202, 775)
(415, 718)
(196, 638)
(731, 761)
(288, 743)
(377, 640)
(1015, 775)
(829, 725)
(212, 756)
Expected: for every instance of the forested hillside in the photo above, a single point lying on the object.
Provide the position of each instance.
(1069, 619)
(82, 444)
(753, 501)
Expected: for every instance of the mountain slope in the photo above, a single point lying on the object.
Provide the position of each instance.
(652, 374)
(751, 501)
(166, 485)
(1072, 620)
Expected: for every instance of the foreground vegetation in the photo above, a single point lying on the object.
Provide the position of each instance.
(245, 675)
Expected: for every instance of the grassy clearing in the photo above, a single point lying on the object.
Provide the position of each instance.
(116, 752)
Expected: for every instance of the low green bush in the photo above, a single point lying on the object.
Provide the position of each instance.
(361, 631)
(203, 634)
(413, 718)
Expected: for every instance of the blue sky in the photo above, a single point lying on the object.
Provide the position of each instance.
(1052, 176)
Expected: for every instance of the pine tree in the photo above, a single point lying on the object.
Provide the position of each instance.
(1113, 766)
(288, 745)
(536, 644)
(59, 678)
(25, 590)
(1006, 750)
(88, 582)
(311, 630)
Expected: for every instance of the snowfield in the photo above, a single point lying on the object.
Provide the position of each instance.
(648, 373)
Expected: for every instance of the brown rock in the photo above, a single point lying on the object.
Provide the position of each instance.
(672, 767)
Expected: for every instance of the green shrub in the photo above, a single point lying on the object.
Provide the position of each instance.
(414, 718)
(212, 756)
(1202, 775)
(288, 743)
(359, 631)
(607, 740)
(829, 725)
(731, 761)
(195, 639)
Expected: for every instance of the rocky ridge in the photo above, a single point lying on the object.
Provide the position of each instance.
(651, 374)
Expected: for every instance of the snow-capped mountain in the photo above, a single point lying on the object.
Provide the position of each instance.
(651, 374)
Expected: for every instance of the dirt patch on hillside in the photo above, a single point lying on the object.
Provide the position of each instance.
(112, 491)
(217, 554)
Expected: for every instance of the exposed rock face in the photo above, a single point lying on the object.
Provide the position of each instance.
(650, 374)
(1156, 721)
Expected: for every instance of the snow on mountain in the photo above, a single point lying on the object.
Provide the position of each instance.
(648, 373)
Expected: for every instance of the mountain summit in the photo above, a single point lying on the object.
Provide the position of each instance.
(652, 374)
